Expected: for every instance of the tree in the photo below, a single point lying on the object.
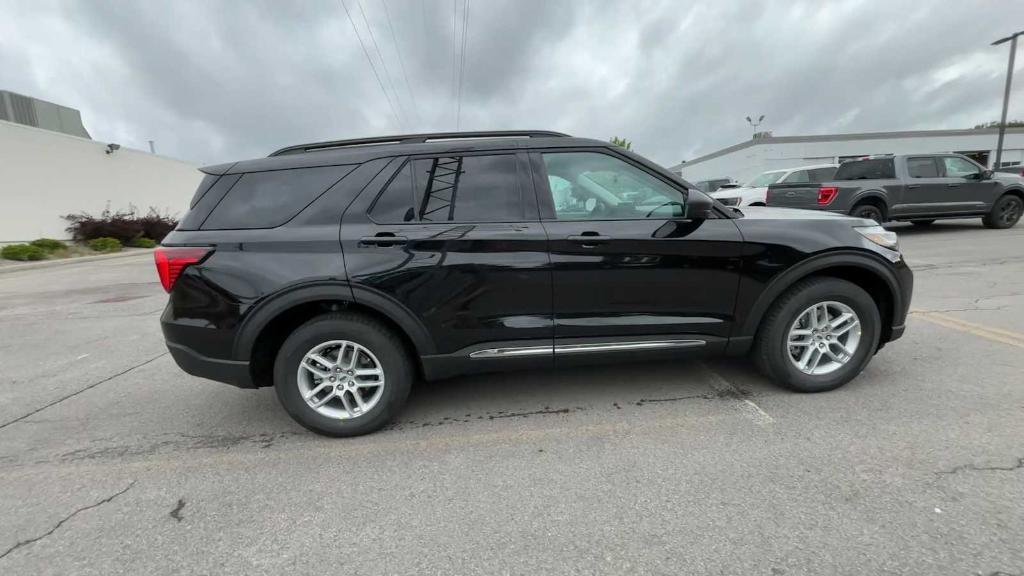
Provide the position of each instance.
(995, 124)
(621, 142)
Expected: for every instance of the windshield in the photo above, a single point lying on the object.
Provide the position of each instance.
(765, 179)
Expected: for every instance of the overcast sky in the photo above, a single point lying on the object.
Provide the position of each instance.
(213, 81)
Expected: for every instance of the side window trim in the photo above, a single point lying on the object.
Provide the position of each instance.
(544, 189)
(384, 188)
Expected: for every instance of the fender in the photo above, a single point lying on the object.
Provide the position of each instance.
(862, 195)
(844, 258)
(262, 313)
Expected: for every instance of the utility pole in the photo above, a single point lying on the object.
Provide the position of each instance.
(1006, 94)
(755, 124)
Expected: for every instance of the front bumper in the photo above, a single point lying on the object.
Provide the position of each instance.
(234, 372)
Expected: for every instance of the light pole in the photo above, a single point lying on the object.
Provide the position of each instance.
(1006, 94)
(759, 120)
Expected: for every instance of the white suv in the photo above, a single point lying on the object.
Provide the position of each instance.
(753, 193)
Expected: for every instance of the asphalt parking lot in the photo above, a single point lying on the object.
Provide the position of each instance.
(113, 461)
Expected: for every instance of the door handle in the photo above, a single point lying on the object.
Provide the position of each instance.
(589, 239)
(913, 185)
(383, 239)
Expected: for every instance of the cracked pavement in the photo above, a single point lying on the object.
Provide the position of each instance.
(113, 461)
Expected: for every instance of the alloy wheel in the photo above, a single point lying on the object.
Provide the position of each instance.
(1010, 211)
(341, 379)
(823, 338)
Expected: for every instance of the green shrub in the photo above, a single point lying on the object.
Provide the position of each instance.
(105, 244)
(49, 244)
(122, 225)
(142, 243)
(22, 252)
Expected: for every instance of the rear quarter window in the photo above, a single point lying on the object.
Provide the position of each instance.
(872, 169)
(269, 199)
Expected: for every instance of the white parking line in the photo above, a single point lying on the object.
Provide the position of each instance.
(749, 409)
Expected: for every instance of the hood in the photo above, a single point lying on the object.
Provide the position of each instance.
(768, 213)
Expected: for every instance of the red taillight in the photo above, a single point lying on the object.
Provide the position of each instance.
(826, 194)
(171, 260)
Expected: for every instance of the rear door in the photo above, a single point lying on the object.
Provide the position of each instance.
(629, 268)
(925, 190)
(456, 240)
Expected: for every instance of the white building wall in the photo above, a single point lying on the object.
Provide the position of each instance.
(746, 163)
(44, 175)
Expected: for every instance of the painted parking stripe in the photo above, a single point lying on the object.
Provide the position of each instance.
(749, 409)
(1008, 337)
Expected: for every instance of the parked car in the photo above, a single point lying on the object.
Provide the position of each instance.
(753, 193)
(341, 272)
(713, 184)
(918, 187)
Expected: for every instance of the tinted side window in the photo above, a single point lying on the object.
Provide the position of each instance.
(821, 174)
(798, 176)
(394, 204)
(269, 199)
(468, 189)
(205, 185)
(874, 169)
(922, 168)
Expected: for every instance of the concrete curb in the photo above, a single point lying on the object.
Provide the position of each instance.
(80, 260)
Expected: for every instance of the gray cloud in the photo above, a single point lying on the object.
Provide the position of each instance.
(217, 81)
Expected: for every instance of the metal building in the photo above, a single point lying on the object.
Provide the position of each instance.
(38, 113)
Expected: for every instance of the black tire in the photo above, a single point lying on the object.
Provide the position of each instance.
(771, 352)
(868, 211)
(1005, 212)
(922, 222)
(367, 332)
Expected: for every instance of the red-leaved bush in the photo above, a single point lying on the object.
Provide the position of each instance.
(125, 226)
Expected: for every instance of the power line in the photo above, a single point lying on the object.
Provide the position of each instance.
(454, 50)
(401, 60)
(372, 66)
(462, 63)
(387, 73)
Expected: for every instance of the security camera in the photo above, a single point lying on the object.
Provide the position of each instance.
(111, 147)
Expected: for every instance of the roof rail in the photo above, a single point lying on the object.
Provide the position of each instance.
(417, 139)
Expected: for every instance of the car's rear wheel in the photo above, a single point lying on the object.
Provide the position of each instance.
(868, 211)
(1005, 212)
(342, 375)
(922, 222)
(819, 335)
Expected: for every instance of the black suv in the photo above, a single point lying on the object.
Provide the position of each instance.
(340, 272)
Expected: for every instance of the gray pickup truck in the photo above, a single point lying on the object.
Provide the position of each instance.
(919, 188)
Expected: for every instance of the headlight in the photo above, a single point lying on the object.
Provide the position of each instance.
(881, 236)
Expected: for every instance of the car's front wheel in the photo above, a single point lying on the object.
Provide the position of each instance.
(819, 335)
(1005, 212)
(342, 375)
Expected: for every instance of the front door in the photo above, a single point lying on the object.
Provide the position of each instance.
(456, 241)
(631, 272)
(966, 192)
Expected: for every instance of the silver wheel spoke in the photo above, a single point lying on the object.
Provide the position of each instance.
(320, 372)
(359, 400)
(846, 351)
(321, 360)
(317, 390)
(348, 405)
(845, 326)
(318, 403)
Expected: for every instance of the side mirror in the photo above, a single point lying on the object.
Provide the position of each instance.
(986, 175)
(699, 206)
